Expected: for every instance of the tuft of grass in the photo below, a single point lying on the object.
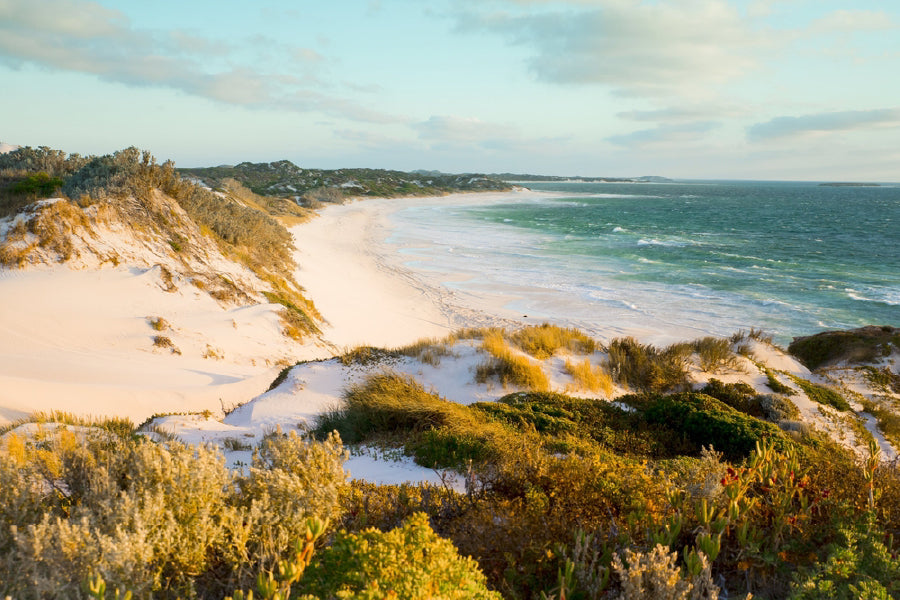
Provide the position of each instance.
(647, 368)
(775, 385)
(210, 352)
(164, 342)
(365, 355)
(233, 444)
(590, 377)
(507, 367)
(428, 351)
(884, 379)
(888, 420)
(715, 354)
(158, 323)
(543, 341)
(821, 394)
(119, 426)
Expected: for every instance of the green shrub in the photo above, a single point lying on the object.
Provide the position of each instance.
(775, 385)
(715, 354)
(777, 408)
(740, 396)
(706, 421)
(409, 562)
(646, 368)
(857, 565)
(865, 344)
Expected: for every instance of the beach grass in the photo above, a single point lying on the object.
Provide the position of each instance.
(590, 377)
(543, 341)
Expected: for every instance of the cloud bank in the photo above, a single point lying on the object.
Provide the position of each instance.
(824, 123)
(85, 37)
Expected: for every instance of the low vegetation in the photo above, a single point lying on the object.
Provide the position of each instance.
(508, 367)
(644, 367)
(822, 394)
(543, 341)
(863, 345)
(590, 377)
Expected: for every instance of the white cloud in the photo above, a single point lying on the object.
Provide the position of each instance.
(84, 37)
(824, 123)
(666, 134)
(846, 21)
(638, 48)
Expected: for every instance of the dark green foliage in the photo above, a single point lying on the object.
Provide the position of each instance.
(738, 395)
(706, 421)
(862, 345)
(37, 185)
(316, 186)
(822, 395)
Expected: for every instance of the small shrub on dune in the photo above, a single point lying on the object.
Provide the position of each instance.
(590, 377)
(427, 351)
(545, 340)
(410, 561)
(646, 368)
(715, 354)
(822, 394)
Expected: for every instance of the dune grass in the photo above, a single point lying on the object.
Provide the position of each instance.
(715, 354)
(646, 368)
(822, 394)
(590, 377)
(543, 341)
(120, 426)
(508, 367)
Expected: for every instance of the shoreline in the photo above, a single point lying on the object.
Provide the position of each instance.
(388, 296)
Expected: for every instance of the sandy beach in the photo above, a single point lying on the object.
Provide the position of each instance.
(79, 339)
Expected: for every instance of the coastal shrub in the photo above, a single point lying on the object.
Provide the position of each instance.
(739, 395)
(646, 368)
(715, 354)
(862, 345)
(166, 520)
(777, 408)
(566, 424)
(543, 341)
(438, 433)
(706, 421)
(858, 564)
(37, 185)
(590, 377)
(411, 561)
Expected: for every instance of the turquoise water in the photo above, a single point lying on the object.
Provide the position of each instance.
(711, 257)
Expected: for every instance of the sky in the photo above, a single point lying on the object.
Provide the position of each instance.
(711, 89)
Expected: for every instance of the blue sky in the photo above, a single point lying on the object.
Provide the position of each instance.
(740, 89)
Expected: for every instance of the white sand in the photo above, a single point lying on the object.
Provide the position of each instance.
(80, 341)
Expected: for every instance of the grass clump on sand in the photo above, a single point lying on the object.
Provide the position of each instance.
(715, 354)
(120, 426)
(646, 368)
(590, 377)
(508, 367)
(822, 394)
(543, 341)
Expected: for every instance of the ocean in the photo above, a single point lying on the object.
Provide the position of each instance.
(672, 260)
